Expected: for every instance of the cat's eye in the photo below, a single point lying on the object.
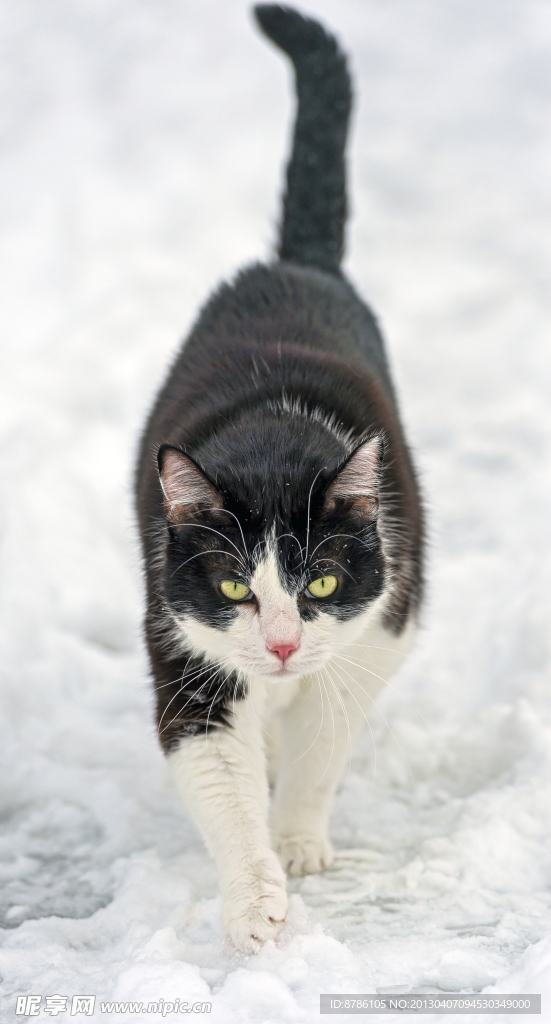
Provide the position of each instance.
(235, 591)
(324, 587)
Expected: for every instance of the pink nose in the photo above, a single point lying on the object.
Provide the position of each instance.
(282, 650)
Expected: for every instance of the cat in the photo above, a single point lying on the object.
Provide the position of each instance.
(281, 526)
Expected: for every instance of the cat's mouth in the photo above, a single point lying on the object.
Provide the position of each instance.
(274, 673)
(290, 669)
(283, 672)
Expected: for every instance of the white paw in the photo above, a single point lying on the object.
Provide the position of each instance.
(255, 906)
(304, 855)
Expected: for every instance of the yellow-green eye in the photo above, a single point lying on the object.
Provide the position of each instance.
(235, 591)
(323, 587)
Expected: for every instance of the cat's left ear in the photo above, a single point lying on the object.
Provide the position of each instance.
(358, 480)
(186, 489)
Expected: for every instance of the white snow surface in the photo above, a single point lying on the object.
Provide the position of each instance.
(142, 151)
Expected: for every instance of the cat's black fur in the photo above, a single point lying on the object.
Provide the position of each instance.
(282, 377)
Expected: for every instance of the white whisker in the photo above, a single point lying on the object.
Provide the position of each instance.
(333, 536)
(320, 561)
(315, 786)
(210, 551)
(224, 681)
(193, 695)
(373, 701)
(368, 723)
(317, 734)
(308, 515)
(362, 665)
(203, 526)
(345, 713)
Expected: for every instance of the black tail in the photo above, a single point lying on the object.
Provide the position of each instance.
(314, 208)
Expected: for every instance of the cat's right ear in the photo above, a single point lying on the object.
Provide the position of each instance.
(186, 489)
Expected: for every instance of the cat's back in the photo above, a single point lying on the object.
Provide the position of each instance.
(299, 306)
(277, 328)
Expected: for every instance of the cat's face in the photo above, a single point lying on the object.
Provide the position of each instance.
(272, 599)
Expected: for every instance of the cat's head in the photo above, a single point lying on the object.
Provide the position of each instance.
(272, 582)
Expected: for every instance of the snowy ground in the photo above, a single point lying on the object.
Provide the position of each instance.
(142, 143)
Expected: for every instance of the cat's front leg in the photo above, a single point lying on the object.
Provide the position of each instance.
(222, 779)
(318, 733)
(317, 730)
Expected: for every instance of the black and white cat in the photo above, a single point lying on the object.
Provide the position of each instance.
(281, 527)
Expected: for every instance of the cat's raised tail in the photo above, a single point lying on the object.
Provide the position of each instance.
(314, 207)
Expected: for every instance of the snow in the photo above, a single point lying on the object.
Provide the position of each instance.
(141, 161)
